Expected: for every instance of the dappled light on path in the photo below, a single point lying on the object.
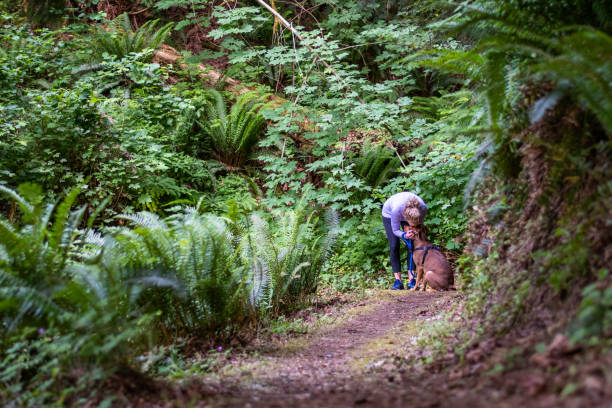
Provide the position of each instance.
(355, 361)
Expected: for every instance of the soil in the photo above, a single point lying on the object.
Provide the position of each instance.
(367, 355)
(331, 367)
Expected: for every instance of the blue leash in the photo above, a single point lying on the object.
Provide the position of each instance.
(412, 282)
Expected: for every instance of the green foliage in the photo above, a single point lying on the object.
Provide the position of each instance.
(579, 60)
(141, 137)
(566, 56)
(195, 251)
(196, 13)
(413, 106)
(44, 12)
(286, 257)
(34, 257)
(565, 268)
(66, 139)
(233, 189)
(376, 164)
(283, 325)
(54, 318)
(233, 135)
(361, 255)
(109, 124)
(542, 16)
(188, 135)
(120, 40)
(78, 299)
(237, 20)
(594, 318)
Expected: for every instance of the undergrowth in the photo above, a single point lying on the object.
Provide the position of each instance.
(203, 215)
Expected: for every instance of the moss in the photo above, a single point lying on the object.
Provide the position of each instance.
(297, 344)
(393, 341)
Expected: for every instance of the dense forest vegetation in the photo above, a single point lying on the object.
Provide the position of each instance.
(178, 175)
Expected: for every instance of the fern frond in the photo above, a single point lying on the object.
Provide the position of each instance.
(144, 219)
(121, 40)
(59, 228)
(375, 164)
(234, 134)
(25, 206)
(28, 299)
(158, 281)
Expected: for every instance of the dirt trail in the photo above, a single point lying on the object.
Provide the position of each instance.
(365, 354)
(348, 364)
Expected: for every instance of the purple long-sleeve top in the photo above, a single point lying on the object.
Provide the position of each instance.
(394, 209)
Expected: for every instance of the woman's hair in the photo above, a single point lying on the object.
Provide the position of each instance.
(412, 212)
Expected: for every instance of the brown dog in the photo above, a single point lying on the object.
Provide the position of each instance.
(432, 266)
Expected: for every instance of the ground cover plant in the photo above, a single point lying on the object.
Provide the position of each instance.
(151, 212)
(119, 293)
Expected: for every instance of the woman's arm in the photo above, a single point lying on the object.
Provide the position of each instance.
(396, 219)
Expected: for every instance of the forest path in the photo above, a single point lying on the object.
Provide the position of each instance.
(354, 362)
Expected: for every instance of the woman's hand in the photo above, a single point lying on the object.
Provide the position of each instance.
(410, 232)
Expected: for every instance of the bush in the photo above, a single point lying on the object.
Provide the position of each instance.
(234, 134)
(194, 257)
(56, 318)
(361, 255)
(120, 40)
(286, 255)
(76, 299)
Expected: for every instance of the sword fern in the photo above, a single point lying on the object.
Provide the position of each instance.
(34, 254)
(121, 40)
(285, 261)
(376, 164)
(233, 134)
(198, 252)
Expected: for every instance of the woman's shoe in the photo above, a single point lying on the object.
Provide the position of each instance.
(398, 285)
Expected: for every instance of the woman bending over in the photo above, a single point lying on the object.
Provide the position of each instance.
(405, 206)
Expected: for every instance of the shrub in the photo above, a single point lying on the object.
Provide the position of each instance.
(57, 316)
(376, 164)
(197, 253)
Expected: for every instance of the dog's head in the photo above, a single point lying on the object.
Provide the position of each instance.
(415, 231)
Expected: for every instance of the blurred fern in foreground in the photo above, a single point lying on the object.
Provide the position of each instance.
(575, 58)
(34, 254)
(56, 315)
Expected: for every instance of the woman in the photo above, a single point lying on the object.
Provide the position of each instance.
(405, 206)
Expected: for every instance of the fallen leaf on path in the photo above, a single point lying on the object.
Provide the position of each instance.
(542, 360)
(475, 355)
(561, 346)
(533, 384)
(594, 383)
